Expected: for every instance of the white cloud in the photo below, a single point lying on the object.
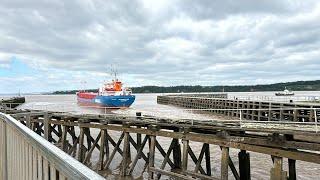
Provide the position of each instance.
(199, 42)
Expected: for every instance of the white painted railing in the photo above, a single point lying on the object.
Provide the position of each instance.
(26, 155)
(273, 98)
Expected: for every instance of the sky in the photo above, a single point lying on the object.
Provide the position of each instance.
(57, 45)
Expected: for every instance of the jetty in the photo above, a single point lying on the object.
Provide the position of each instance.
(39, 144)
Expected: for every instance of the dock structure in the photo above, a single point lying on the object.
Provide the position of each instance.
(138, 140)
(245, 109)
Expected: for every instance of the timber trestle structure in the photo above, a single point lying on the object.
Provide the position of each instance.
(139, 141)
(250, 109)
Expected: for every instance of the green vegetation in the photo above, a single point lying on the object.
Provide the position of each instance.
(294, 86)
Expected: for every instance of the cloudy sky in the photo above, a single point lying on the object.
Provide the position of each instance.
(54, 45)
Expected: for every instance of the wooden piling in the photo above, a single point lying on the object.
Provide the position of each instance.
(102, 149)
(224, 163)
(244, 165)
(276, 172)
(292, 169)
(152, 139)
(185, 155)
(81, 148)
(176, 153)
(125, 155)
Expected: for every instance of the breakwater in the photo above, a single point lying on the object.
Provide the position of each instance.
(246, 109)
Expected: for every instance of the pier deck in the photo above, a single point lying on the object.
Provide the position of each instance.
(139, 140)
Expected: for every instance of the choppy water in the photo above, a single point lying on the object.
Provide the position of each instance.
(146, 103)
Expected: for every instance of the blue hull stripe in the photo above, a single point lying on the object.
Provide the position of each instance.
(111, 101)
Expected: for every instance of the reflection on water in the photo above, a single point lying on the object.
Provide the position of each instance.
(146, 103)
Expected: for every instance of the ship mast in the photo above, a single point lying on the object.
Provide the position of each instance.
(114, 72)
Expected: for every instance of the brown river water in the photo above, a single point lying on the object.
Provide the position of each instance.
(146, 103)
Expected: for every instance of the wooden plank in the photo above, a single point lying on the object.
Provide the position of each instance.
(195, 160)
(64, 138)
(53, 173)
(45, 169)
(30, 162)
(244, 165)
(170, 174)
(102, 146)
(200, 176)
(185, 154)
(151, 155)
(46, 126)
(135, 145)
(114, 144)
(125, 156)
(224, 163)
(34, 163)
(292, 169)
(163, 153)
(81, 149)
(176, 154)
(198, 164)
(108, 162)
(139, 151)
(208, 162)
(40, 167)
(88, 156)
(276, 173)
(166, 158)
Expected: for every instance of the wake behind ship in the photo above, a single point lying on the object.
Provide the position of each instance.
(111, 95)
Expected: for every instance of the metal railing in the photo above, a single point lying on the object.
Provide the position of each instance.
(26, 155)
(277, 98)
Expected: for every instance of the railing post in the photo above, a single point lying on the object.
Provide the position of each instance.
(3, 147)
(240, 118)
(152, 145)
(46, 126)
(316, 119)
(185, 152)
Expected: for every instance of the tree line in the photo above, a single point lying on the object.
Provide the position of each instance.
(294, 86)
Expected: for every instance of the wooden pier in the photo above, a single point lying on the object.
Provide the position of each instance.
(138, 141)
(250, 109)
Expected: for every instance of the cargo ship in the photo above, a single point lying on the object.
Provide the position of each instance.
(111, 94)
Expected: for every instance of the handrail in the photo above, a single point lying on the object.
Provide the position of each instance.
(18, 141)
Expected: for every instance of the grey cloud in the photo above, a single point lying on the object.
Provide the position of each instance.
(184, 41)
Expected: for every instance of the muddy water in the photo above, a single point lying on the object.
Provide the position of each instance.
(146, 103)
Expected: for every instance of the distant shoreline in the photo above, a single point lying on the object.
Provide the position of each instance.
(294, 86)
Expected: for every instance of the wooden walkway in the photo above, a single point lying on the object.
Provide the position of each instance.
(138, 140)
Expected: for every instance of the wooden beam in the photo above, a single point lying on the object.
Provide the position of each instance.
(244, 165)
(102, 145)
(292, 169)
(151, 155)
(116, 147)
(276, 172)
(224, 163)
(164, 154)
(88, 156)
(208, 162)
(135, 145)
(81, 149)
(185, 155)
(125, 156)
(198, 164)
(195, 160)
(139, 151)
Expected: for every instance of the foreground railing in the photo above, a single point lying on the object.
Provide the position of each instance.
(26, 155)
